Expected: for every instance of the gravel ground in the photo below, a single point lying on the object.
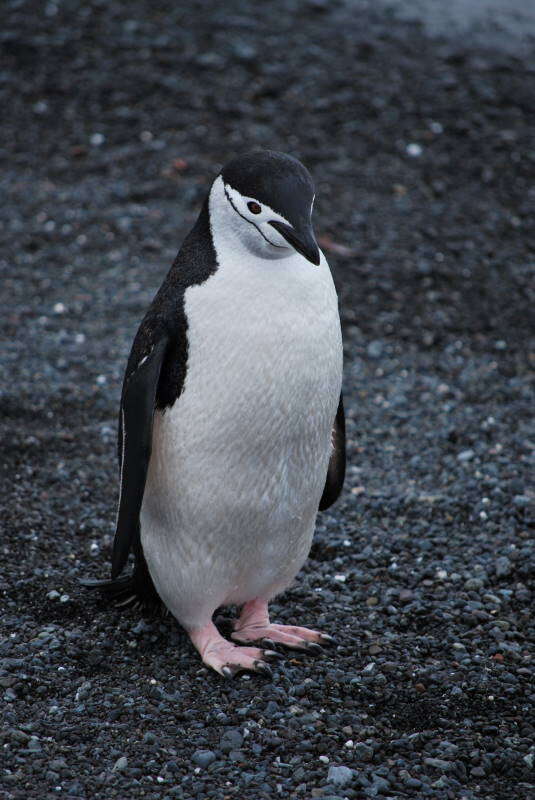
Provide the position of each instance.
(115, 118)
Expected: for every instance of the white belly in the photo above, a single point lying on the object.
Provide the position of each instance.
(239, 462)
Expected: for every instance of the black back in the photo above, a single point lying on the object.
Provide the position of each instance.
(194, 263)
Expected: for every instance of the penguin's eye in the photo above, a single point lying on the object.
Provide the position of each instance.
(254, 208)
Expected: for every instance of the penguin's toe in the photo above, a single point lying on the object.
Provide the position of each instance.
(223, 622)
(229, 670)
(312, 647)
(241, 659)
(273, 655)
(290, 636)
(229, 658)
(263, 668)
(325, 638)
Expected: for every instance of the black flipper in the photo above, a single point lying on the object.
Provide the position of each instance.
(135, 439)
(137, 413)
(337, 464)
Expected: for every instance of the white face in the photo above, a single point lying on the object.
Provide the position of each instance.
(247, 220)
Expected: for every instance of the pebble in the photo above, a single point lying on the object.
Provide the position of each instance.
(465, 455)
(363, 752)
(17, 735)
(121, 764)
(203, 758)
(439, 763)
(448, 748)
(340, 776)
(34, 744)
(413, 149)
(503, 567)
(379, 785)
(375, 349)
(83, 691)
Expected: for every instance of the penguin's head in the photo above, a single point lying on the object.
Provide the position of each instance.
(267, 197)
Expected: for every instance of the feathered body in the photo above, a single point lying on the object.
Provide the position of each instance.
(232, 426)
(239, 461)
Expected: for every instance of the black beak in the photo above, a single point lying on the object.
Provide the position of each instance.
(301, 240)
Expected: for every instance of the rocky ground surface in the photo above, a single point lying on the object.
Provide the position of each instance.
(115, 117)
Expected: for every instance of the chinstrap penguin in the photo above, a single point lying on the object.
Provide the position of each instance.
(231, 427)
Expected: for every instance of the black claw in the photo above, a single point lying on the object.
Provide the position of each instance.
(312, 647)
(328, 639)
(273, 655)
(269, 643)
(263, 668)
(228, 671)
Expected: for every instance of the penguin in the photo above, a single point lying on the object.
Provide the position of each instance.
(231, 424)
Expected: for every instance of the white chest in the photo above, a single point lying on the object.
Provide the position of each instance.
(264, 331)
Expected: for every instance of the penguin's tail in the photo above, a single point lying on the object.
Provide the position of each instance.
(128, 591)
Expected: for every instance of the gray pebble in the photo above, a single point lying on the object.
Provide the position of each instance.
(18, 736)
(34, 745)
(521, 500)
(231, 740)
(121, 764)
(439, 763)
(379, 786)
(340, 776)
(375, 349)
(363, 752)
(502, 566)
(82, 692)
(448, 748)
(465, 455)
(203, 758)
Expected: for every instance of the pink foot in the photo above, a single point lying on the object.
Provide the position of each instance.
(227, 658)
(254, 625)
